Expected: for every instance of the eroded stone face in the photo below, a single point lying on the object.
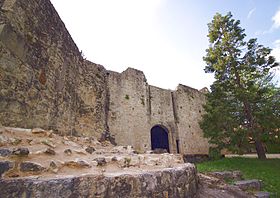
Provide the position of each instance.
(172, 182)
(31, 167)
(5, 166)
(44, 80)
(45, 83)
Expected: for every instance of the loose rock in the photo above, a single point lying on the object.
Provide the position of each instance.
(262, 194)
(5, 166)
(21, 152)
(235, 175)
(48, 143)
(3, 140)
(78, 163)
(68, 151)
(15, 141)
(159, 151)
(4, 152)
(90, 149)
(39, 131)
(53, 164)
(114, 159)
(50, 151)
(53, 167)
(249, 184)
(101, 161)
(31, 167)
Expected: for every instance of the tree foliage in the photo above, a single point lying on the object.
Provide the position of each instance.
(243, 105)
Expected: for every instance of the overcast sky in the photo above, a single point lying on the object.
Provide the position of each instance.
(166, 39)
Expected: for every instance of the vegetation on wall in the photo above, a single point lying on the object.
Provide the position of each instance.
(243, 106)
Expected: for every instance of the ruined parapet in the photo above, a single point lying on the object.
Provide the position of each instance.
(169, 182)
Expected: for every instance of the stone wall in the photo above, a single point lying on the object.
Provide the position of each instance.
(135, 107)
(169, 182)
(45, 82)
(128, 108)
(162, 113)
(189, 108)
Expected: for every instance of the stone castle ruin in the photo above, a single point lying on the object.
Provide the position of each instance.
(45, 82)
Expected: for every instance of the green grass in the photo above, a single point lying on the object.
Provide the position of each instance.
(266, 170)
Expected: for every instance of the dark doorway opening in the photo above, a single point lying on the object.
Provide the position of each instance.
(177, 146)
(159, 138)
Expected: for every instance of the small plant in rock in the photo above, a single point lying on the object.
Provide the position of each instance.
(126, 97)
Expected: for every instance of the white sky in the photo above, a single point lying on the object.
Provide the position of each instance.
(166, 44)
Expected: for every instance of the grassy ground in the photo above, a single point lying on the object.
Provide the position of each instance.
(266, 170)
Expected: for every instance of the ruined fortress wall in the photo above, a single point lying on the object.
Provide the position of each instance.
(162, 113)
(128, 108)
(135, 107)
(189, 108)
(44, 80)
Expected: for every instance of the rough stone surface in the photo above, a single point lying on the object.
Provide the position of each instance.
(249, 184)
(5, 166)
(171, 182)
(31, 167)
(46, 83)
(78, 163)
(262, 195)
(49, 151)
(101, 161)
(234, 175)
(212, 187)
(90, 149)
(68, 151)
(21, 152)
(5, 152)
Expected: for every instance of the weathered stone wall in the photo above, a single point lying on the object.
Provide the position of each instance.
(135, 107)
(44, 80)
(189, 107)
(128, 108)
(162, 113)
(169, 182)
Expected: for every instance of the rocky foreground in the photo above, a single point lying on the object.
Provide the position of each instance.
(40, 163)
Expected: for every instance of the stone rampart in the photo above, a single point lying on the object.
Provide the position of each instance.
(45, 82)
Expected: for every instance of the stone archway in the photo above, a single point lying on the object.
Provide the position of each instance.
(159, 138)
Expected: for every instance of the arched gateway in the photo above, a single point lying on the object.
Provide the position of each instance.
(159, 138)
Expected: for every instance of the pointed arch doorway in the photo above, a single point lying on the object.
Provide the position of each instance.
(159, 138)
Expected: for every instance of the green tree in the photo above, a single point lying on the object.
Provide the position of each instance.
(243, 103)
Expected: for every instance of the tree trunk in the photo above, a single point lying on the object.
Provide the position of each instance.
(260, 150)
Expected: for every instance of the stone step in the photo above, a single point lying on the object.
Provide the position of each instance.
(234, 175)
(262, 194)
(253, 184)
